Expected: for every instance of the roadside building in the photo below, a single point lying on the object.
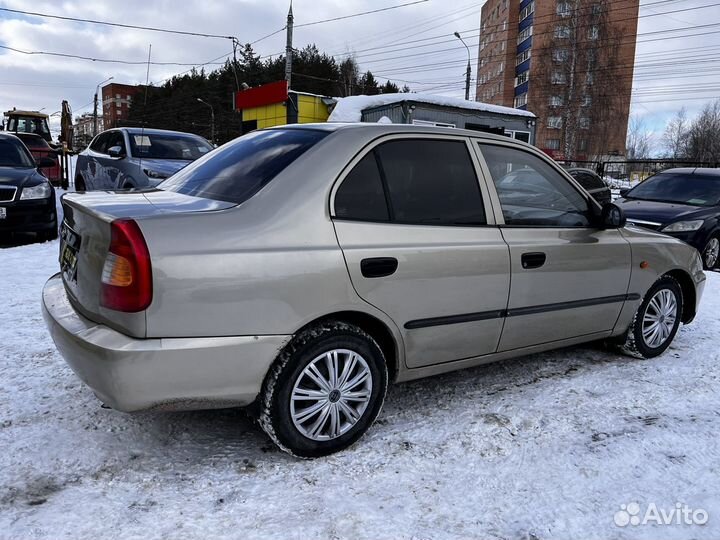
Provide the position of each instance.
(83, 130)
(116, 102)
(570, 62)
(432, 110)
(274, 104)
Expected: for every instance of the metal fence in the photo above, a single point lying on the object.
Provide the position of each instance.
(637, 170)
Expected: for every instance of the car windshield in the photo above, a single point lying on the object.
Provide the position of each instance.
(239, 169)
(14, 154)
(168, 146)
(692, 189)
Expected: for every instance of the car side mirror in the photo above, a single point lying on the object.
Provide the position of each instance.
(116, 152)
(624, 191)
(612, 217)
(45, 162)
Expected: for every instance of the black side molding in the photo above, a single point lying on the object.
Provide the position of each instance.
(518, 312)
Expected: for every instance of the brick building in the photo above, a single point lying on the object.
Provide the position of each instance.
(569, 62)
(116, 102)
(83, 130)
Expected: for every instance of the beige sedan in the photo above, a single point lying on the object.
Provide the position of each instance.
(300, 269)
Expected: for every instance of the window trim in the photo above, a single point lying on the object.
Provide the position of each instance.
(485, 194)
(495, 199)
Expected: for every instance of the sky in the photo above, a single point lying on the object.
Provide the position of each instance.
(673, 67)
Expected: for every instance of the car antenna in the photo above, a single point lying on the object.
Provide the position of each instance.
(142, 123)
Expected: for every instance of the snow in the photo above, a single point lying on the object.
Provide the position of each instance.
(546, 446)
(349, 109)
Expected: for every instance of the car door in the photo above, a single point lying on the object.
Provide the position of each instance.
(91, 170)
(569, 278)
(420, 242)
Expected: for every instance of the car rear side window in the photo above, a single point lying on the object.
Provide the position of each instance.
(239, 169)
(361, 195)
(426, 182)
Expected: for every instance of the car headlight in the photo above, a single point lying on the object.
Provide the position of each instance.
(154, 174)
(41, 191)
(684, 226)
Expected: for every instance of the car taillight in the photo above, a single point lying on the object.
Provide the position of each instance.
(127, 273)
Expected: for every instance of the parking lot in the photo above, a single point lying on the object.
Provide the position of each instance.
(544, 446)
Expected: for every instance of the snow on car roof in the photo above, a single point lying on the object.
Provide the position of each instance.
(350, 109)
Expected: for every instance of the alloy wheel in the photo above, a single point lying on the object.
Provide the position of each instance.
(659, 319)
(331, 394)
(712, 250)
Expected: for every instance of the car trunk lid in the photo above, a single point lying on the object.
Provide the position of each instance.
(86, 238)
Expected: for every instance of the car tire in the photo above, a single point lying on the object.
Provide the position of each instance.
(80, 184)
(656, 321)
(711, 253)
(339, 408)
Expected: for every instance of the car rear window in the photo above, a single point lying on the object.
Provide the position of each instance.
(239, 169)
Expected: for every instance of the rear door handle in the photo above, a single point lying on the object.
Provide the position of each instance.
(378, 267)
(533, 260)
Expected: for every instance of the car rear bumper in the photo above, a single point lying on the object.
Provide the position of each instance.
(130, 374)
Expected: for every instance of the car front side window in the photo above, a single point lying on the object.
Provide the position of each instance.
(531, 192)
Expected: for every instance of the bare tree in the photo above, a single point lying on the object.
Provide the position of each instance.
(639, 140)
(675, 137)
(703, 139)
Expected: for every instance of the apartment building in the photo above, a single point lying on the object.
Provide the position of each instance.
(116, 102)
(569, 62)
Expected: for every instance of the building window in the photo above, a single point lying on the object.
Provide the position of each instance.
(525, 34)
(584, 122)
(562, 32)
(586, 101)
(504, 25)
(582, 145)
(560, 55)
(563, 9)
(525, 55)
(554, 122)
(558, 77)
(590, 80)
(597, 9)
(529, 10)
(522, 78)
(593, 33)
(553, 144)
(521, 100)
(557, 101)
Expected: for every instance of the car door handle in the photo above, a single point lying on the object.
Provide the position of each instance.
(533, 260)
(378, 267)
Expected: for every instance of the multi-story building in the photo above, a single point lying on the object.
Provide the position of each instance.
(570, 62)
(116, 101)
(83, 130)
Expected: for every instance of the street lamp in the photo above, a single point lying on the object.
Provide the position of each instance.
(95, 103)
(468, 73)
(212, 120)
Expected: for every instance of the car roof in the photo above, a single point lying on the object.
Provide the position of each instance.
(8, 135)
(697, 171)
(151, 131)
(389, 129)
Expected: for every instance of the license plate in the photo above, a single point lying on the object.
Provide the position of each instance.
(3, 212)
(70, 242)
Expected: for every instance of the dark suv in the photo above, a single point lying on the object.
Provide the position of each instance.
(592, 183)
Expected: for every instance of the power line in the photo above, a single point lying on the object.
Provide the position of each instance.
(118, 25)
(360, 14)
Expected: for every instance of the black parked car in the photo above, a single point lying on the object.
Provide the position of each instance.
(27, 200)
(684, 203)
(592, 183)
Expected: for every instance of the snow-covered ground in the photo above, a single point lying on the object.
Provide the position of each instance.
(547, 446)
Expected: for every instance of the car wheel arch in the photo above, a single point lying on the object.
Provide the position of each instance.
(688, 291)
(389, 342)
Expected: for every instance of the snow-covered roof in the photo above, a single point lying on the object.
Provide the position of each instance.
(350, 109)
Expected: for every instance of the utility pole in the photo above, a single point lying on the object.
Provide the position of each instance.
(468, 72)
(212, 120)
(95, 106)
(289, 47)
